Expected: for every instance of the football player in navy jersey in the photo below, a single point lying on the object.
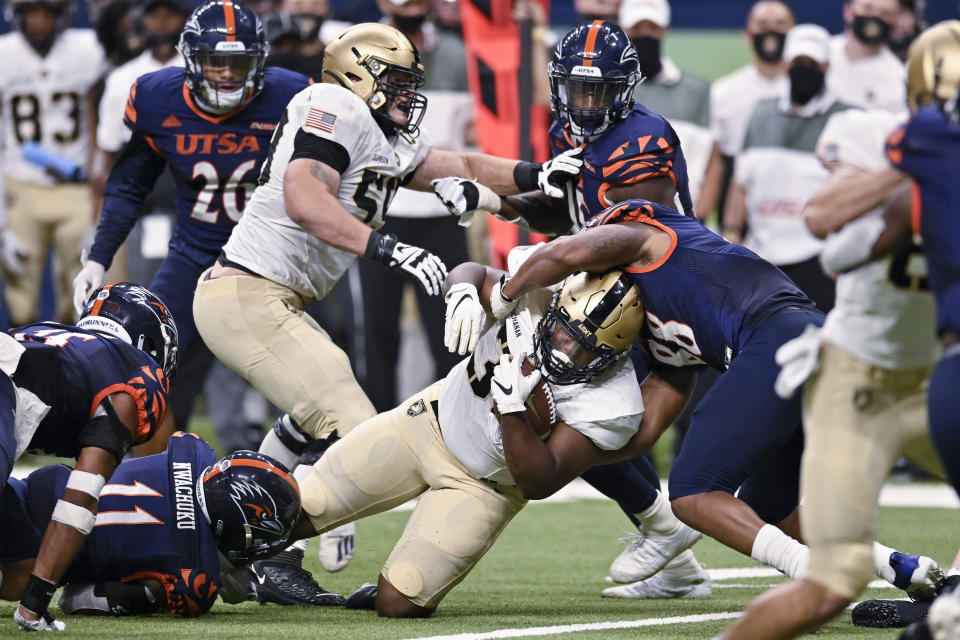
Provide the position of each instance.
(211, 122)
(927, 148)
(88, 392)
(163, 518)
(623, 151)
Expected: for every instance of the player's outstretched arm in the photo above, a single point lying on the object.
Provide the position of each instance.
(594, 250)
(103, 442)
(309, 196)
(848, 196)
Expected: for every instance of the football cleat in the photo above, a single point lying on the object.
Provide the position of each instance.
(888, 614)
(283, 580)
(943, 618)
(648, 552)
(691, 584)
(363, 598)
(336, 547)
(921, 577)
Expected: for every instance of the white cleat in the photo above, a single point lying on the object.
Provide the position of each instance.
(649, 552)
(336, 547)
(694, 583)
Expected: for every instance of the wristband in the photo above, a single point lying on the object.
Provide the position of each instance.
(36, 597)
(525, 176)
(380, 247)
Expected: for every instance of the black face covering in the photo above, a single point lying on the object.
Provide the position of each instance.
(870, 30)
(805, 83)
(409, 24)
(309, 25)
(162, 42)
(769, 45)
(900, 44)
(648, 50)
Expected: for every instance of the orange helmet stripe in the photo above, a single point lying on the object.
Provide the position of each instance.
(231, 20)
(591, 42)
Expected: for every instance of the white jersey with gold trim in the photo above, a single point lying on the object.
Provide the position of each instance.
(44, 99)
(607, 410)
(882, 315)
(268, 242)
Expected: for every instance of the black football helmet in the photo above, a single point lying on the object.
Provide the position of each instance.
(251, 503)
(602, 314)
(137, 316)
(594, 71)
(223, 33)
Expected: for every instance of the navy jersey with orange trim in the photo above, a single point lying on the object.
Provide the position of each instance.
(149, 524)
(642, 147)
(72, 370)
(706, 296)
(214, 160)
(927, 147)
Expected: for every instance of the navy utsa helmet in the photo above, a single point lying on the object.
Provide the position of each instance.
(599, 317)
(137, 316)
(223, 35)
(251, 503)
(592, 77)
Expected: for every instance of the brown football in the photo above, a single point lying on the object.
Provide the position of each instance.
(541, 412)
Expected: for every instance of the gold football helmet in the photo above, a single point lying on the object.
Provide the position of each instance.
(602, 313)
(381, 65)
(933, 68)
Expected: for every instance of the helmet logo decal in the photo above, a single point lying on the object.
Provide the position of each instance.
(258, 516)
(580, 70)
(230, 46)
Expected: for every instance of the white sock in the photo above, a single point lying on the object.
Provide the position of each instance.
(658, 517)
(881, 562)
(273, 447)
(683, 565)
(780, 551)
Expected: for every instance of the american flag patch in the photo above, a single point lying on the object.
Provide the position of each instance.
(320, 120)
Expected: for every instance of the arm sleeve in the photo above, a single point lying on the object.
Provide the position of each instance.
(648, 157)
(131, 180)
(192, 593)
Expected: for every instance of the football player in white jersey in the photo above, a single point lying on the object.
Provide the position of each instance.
(45, 145)
(340, 152)
(464, 445)
(867, 401)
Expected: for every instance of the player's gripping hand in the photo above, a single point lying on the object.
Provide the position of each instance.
(510, 388)
(425, 267)
(13, 252)
(463, 197)
(87, 281)
(501, 305)
(465, 318)
(45, 622)
(557, 171)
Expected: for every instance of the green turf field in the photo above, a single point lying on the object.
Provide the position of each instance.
(546, 570)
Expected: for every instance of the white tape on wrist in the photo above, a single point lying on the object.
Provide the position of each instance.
(73, 515)
(89, 483)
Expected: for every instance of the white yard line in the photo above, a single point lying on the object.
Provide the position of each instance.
(585, 627)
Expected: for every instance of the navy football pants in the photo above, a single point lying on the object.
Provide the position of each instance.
(742, 434)
(943, 407)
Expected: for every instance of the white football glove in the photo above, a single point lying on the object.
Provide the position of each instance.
(43, 623)
(425, 267)
(13, 253)
(501, 305)
(558, 171)
(465, 319)
(798, 359)
(509, 387)
(87, 281)
(464, 197)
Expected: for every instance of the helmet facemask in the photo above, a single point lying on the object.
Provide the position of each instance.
(590, 104)
(243, 73)
(559, 366)
(396, 88)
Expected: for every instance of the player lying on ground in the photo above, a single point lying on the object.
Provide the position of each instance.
(87, 392)
(163, 518)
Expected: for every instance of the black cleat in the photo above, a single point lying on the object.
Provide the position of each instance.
(917, 631)
(889, 614)
(363, 598)
(283, 580)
